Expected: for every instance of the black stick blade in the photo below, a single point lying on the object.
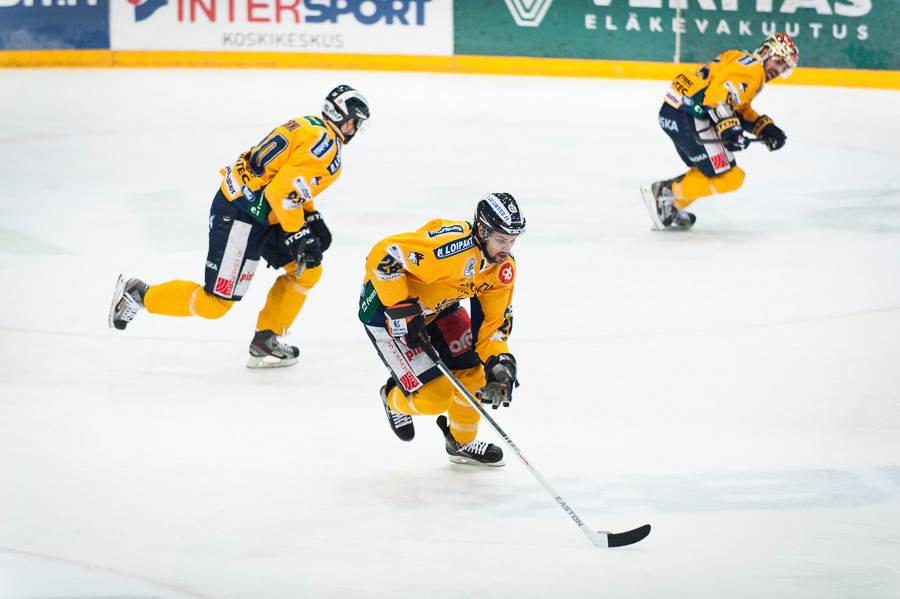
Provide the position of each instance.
(620, 539)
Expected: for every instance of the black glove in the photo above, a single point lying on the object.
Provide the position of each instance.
(765, 129)
(316, 224)
(500, 375)
(732, 134)
(304, 248)
(406, 322)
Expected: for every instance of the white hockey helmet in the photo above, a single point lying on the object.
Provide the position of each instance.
(344, 102)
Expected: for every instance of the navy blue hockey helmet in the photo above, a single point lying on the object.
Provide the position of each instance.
(500, 212)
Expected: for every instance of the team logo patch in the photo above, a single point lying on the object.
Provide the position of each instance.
(415, 257)
(507, 274)
(454, 247)
(469, 270)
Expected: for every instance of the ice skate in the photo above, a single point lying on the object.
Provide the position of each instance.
(683, 220)
(401, 424)
(267, 350)
(658, 198)
(128, 299)
(474, 453)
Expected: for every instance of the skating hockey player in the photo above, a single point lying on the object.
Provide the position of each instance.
(413, 287)
(713, 103)
(264, 208)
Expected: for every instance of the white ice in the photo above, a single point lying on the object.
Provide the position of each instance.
(735, 386)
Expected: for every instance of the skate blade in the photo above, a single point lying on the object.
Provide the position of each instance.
(117, 295)
(270, 362)
(650, 204)
(458, 459)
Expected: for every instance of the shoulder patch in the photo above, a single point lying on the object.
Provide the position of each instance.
(322, 146)
(315, 121)
(457, 246)
(507, 273)
(446, 229)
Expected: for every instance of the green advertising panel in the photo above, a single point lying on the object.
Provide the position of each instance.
(833, 34)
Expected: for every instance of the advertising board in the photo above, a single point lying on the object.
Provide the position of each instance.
(835, 34)
(406, 27)
(54, 24)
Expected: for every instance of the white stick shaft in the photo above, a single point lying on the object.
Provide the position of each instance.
(598, 538)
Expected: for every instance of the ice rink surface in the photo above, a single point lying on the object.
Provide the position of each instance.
(735, 386)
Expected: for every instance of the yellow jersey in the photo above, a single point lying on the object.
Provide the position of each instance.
(733, 77)
(292, 165)
(441, 264)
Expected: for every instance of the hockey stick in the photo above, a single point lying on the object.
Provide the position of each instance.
(709, 142)
(715, 141)
(599, 538)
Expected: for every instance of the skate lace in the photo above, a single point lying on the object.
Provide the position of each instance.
(129, 307)
(281, 346)
(400, 419)
(475, 447)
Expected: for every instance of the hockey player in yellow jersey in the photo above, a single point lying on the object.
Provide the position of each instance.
(706, 113)
(411, 295)
(264, 208)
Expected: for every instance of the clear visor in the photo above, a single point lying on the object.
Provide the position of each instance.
(361, 126)
(502, 241)
(786, 63)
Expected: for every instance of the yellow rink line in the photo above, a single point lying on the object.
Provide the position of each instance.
(493, 65)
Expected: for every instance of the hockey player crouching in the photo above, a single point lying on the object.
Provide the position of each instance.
(706, 113)
(413, 285)
(264, 208)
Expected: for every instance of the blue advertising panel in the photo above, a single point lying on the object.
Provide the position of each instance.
(54, 24)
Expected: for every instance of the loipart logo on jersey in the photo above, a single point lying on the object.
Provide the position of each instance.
(507, 274)
(144, 8)
(454, 247)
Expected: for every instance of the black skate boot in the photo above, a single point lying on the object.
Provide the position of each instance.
(658, 198)
(684, 220)
(267, 350)
(663, 196)
(128, 298)
(474, 453)
(401, 424)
